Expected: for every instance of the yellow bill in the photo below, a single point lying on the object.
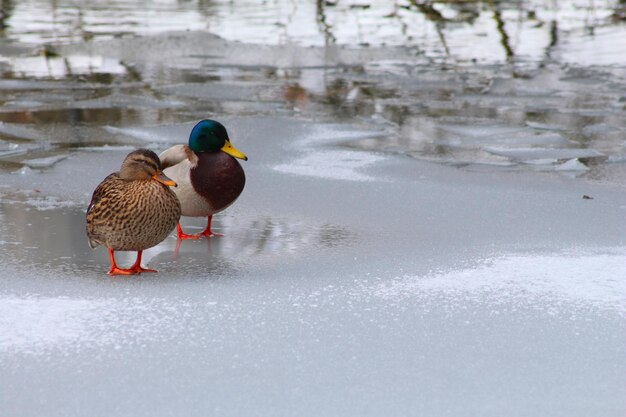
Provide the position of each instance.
(230, 149)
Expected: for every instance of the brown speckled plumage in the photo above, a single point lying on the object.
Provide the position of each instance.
(132, 214)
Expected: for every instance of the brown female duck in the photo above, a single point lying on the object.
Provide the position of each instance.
(133, 209)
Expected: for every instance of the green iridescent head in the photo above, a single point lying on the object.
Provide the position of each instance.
(211, 136)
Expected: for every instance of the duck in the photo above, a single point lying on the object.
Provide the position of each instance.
(207, 172)
(133, 209)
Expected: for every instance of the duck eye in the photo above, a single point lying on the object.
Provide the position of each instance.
(149, 164)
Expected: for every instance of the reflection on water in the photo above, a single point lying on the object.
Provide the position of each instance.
(48, 233)
(282, 236)
(72, 116)
(436, 27)
(535, 70)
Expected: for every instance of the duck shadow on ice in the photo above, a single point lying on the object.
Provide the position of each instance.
(248, 244)
(53, 239)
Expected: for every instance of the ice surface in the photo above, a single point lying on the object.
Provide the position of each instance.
(434, 283)
(35, 324)
(598, 129)
(117, 100)
(26, 170)
(40, 66)
(543, 126)
(11, 149)
(19, 131)
(525, 154)
(44, 162)
(340, 165)
(587, 280)
(572, 165)
(49, 203)
(37, 84)
(483, 131)
(158, 134)
(380, 261)
(323, 162)
(32, 322)
(108, 148)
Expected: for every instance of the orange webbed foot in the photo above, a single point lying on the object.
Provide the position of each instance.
(120, 271)
(139, 269)
(133, 270)
(208, 233)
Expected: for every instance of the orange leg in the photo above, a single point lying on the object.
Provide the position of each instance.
(135, 269)
(114, 270)
(181, 235)
(207, 232)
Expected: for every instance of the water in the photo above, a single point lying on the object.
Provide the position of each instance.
(528, 29)
(552, 73)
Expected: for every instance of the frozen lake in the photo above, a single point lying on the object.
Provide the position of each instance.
(425, 230)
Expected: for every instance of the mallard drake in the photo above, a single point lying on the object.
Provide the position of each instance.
(133, 209)
(209, 177)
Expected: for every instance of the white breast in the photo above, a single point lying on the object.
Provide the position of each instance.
(191, 203)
